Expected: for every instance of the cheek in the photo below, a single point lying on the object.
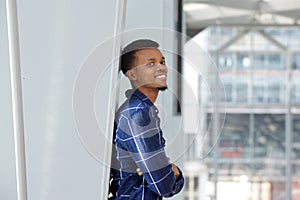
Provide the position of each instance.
(142, 76)
(146, 78)
(146, 74)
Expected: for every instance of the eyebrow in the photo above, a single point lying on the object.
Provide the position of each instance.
(153, 59)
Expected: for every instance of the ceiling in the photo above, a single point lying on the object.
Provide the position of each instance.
(245, 13)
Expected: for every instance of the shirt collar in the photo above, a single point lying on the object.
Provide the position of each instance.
(140, 95)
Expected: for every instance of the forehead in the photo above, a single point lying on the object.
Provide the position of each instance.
(146, 54)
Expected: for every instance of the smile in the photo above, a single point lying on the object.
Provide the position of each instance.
(161, 76)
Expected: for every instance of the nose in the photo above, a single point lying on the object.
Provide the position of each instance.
(162, 68)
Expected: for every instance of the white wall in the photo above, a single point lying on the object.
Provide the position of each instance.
(56, 38)
(8, 187)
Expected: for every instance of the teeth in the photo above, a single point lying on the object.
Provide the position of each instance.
(161, 76)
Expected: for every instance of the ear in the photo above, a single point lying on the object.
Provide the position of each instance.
(131, 75)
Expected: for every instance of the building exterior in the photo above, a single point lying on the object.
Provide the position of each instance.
(257, 110)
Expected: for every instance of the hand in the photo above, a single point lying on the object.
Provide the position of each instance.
(176, 171)
(140, 173)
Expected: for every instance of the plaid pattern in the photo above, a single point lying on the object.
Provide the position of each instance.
(139, 143)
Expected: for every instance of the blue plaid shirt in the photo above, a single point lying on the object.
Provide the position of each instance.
(139, 143)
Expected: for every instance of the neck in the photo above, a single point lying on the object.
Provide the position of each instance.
(151, 93)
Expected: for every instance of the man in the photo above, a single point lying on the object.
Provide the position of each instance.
(143, 170)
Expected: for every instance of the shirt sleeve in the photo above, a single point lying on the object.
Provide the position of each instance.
(144, 143)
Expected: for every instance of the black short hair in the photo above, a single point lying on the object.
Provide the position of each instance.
(128, 53)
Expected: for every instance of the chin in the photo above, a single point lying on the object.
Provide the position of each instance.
(162, 88)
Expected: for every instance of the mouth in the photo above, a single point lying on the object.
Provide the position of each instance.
(161, 76)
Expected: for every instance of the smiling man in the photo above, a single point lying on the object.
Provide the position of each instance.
(140, 166)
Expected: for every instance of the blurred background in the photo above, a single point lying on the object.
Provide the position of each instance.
(256, 49)
(231, 116)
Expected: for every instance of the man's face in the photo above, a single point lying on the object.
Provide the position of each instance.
(150, 69)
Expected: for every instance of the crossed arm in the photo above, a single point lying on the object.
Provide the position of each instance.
(142, 138)
(174, 169)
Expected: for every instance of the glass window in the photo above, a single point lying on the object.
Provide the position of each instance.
(187, 183)
(258, 94)
(259, 61)
(196, 182)
(269, 135)
(235, 135)
(225, 62)
(273, 32)
(296, 154)
(276, 61)
(241, 92)
(296, 137)
(274, 93)
(243, 61)
(228, 92)
(296, 61)
(296, 94)
(268, 61)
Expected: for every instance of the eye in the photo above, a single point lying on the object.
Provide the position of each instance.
(151, 64)
(163, 62)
